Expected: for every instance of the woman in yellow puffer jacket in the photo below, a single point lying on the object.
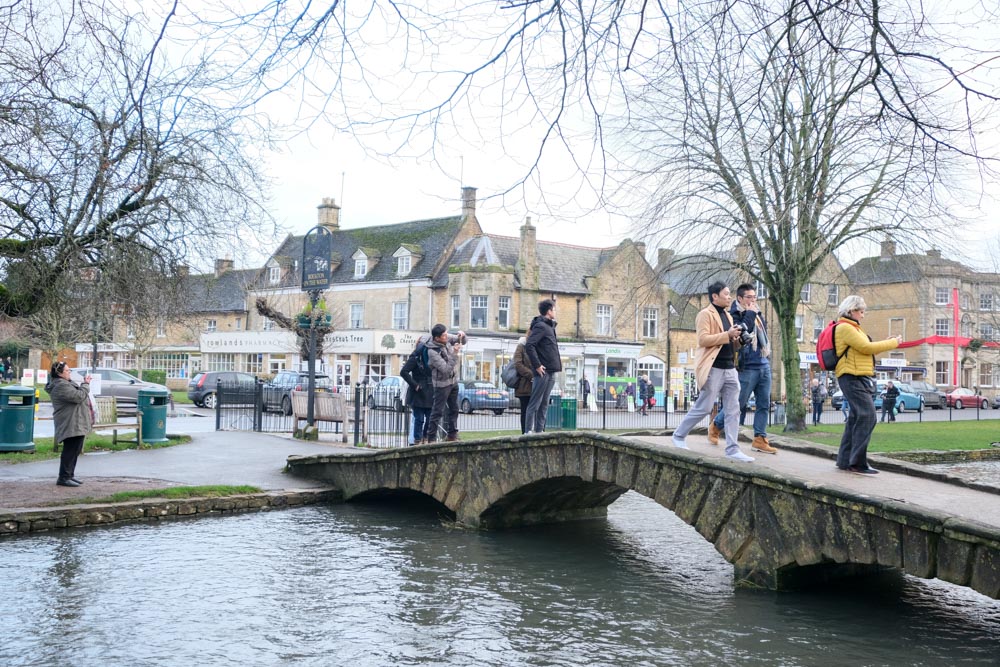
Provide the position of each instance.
(856, 376)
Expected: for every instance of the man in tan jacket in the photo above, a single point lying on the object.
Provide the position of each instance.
(715, 371)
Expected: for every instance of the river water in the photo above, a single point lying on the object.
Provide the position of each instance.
(380, 585)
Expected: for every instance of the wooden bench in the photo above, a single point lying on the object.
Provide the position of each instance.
(327, 407)
(106, 418)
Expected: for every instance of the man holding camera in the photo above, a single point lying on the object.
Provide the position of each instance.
(443, 357)
(754, 368)
(715, 370)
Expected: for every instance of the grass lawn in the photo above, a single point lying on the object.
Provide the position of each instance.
(93, 443)
(181, 397)
(172, 493)
(900, 437)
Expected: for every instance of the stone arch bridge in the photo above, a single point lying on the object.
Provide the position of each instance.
(779, 532)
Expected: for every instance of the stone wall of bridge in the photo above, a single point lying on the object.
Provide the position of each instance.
(778, 532)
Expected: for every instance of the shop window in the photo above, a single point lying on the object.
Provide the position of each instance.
(942, 374)
(478, 311)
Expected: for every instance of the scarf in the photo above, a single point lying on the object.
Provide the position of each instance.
(760, 342)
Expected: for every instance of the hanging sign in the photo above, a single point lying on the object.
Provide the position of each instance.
(316, 249)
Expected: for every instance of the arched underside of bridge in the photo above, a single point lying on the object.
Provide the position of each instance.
(777, 532)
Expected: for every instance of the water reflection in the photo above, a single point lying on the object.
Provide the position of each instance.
(374, 585)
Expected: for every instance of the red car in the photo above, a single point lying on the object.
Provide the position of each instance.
(966, 398)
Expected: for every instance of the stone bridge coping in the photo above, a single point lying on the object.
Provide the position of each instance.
(887, 508)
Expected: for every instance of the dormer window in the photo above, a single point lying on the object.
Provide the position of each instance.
(274, 275)
(360, 268)
(403, 265)
(407, 255)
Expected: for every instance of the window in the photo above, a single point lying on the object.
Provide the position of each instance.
(897, 326)
(650, 320)
(266, 324)
(985, 375)
(130, 329)
(456, 312)
(798, 327)
(254, 363)
(833, 295)
(965, 301)
(942, 326)
(238, 324)
(222, 361)
(987, 333)
(603, 320)
(761, 290)
(986, 301)
(357, 315)
(805, 296)
(173, 363)
(403, 265)
(478, 311)
(274, 275)
(210, 326)
(360, 267)
(400, 315)
(161, 328)
(503, 312)
(941, 296)
(818, 324)
(941, 373)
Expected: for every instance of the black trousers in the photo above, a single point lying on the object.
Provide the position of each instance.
(444, 412)
(889, 409)
(71, 450)
(859, 393)
(524, 409)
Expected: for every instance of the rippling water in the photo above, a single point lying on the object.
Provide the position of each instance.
(377, 585)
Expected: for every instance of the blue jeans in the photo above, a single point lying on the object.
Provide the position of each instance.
(420, 418)
(758, 381)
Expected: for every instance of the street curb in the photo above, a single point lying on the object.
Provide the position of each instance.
(42, 519)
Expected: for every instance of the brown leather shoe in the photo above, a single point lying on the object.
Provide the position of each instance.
(713, 433)
(761, 444)
(452, 438)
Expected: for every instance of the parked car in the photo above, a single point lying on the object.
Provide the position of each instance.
(966, 398)
(478, 395)
(201, 388)
(278, 392)
(907, 399)
(837, 400)
(933, 397)
(124, 387)
(996, 402)
(389, 393)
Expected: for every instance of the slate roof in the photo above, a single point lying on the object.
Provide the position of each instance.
(690, 275)
(898, 269)
(206, 293)
(561, 267)
(432, 237)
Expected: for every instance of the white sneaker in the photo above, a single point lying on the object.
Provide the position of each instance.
(740, 456)
(679, 442)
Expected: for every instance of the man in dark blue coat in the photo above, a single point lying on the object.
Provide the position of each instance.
(542, 349)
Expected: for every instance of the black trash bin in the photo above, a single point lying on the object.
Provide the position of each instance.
(152, 413)
(17, 419)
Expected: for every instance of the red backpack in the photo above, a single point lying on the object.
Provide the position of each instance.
(826, 347)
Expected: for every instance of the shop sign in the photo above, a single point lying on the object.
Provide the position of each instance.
(895, 363)
(682, 357)
(248, 341)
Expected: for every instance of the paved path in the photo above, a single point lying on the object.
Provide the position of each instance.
(950, 499)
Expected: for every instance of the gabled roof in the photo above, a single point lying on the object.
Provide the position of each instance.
(208, 293)
(433, 238)
(561, 267)
(689, 275)
(899, 269)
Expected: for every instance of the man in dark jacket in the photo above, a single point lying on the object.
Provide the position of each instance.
(420, 398)
(443, 355)
(542, 348)
(889, 401)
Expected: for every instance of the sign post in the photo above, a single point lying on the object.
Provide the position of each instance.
(316, 249)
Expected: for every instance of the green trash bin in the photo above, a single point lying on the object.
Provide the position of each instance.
(569, 414)
(17, 419)
(152, 410)
(553, 415)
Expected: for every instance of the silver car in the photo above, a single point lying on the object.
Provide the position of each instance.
(119, 384)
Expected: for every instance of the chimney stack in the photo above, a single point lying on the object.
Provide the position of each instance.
(935, 253)
(664, 258)
(888, 248)
(468, 202)
(329, 214)
(223, 265)
(641, 247)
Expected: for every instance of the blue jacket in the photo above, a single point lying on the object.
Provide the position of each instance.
(749, 357)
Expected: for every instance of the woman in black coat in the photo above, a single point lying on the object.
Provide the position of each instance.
(524, 375)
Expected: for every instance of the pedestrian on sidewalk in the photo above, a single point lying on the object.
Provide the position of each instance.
(420, 398)
(542, 348)
(889, 401)
(818, 396)
(443, 356)
(524, 380)
(72, 417)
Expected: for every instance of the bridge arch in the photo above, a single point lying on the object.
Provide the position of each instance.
(778, 532)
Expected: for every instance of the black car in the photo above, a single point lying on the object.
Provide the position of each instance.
(278, 392)
(201, 388)
(933, 397)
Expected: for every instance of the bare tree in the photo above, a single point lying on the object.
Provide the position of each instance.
(105, 141)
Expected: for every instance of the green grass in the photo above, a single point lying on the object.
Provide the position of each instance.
(181, 397)
(900, 437)
(94, 443)
(172, 493)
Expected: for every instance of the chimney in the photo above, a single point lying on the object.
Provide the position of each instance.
(527, 268)
(468, 202)
(935, 253)
(223, 265)
(664, 258)
(329, 214)
(641, 247)
(888, 248)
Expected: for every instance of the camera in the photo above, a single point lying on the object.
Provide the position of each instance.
(745, 337)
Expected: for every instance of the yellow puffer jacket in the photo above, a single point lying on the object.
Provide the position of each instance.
(860, 350)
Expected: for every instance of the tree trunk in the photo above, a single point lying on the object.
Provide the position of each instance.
(795, 409)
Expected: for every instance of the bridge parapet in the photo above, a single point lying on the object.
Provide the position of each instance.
(778, 531)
